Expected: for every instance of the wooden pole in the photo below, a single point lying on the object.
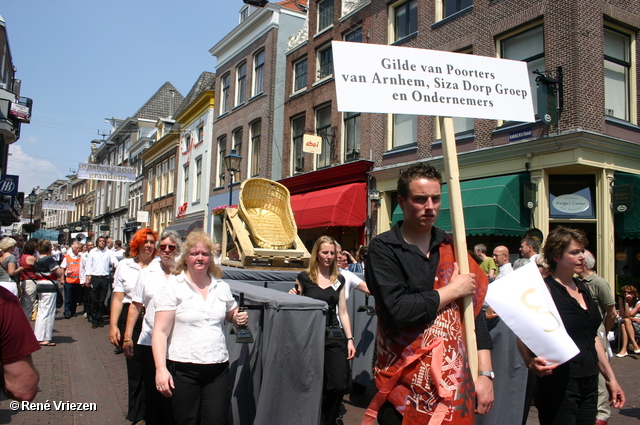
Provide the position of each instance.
(460, 241)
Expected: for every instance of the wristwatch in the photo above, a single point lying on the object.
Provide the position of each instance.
(488, 373)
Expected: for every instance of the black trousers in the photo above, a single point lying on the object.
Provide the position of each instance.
(158, 409)
(563, 400)
(202, 394)
(99, 289)
(136, 411)
(335, 379)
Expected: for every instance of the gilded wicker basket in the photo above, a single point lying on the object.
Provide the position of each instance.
(265, 208)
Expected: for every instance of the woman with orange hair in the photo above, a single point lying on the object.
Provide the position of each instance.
(142, 250)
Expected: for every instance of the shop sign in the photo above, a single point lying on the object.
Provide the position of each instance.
(622, 198)
(526, 133)
(571, 203)
(142, 216)
(530, 190)
(312, 144)
(9, 185)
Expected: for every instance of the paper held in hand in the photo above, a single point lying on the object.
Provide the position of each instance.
(401, 80)
(523, 301)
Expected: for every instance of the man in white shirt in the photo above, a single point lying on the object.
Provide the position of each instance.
(501, 257)
(529, 248)
(97, 269)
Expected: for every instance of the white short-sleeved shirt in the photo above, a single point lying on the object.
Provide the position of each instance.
(149, 283)
(351, 281)
(197, 335)
(126, 277)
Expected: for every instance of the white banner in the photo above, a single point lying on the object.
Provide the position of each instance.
(523, 301)
(401, 80)
(106, 172)
(58, 205)
(311, 143)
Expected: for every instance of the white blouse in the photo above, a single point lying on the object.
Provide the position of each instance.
(149, 282)
(197, 335)
(126, 277)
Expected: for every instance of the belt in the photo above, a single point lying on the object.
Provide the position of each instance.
(104, 277)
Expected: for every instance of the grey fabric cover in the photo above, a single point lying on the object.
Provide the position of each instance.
(277, 379)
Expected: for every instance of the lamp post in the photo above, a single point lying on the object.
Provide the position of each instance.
(32, 200)
(232, 162)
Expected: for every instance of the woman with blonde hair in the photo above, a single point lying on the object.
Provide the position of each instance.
(188, 342)
(323, 281)
(9, 263)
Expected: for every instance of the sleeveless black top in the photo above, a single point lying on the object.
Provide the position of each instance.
(312, 290)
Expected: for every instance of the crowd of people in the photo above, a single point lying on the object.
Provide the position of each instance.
(167, 307)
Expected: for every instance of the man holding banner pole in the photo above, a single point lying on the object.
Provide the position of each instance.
(421, 370)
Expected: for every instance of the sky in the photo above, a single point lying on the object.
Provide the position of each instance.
(82, 61)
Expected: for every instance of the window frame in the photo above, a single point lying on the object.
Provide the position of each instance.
(237, 136)
(630, 67)
(351, 149)
(241, 83)
(185, 182)
(222, 151)
(297, 152)
(513, 35)
(351, 33)
(323, 18)
(254, 167)
(225, 87)
(198, 185)
(298, 77)
(258, 73)
(393, 132)
(323, 159)
(412, 29)
(324, 70)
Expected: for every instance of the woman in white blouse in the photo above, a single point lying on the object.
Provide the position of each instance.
(143, 249)
(154, 277)
(188, 342)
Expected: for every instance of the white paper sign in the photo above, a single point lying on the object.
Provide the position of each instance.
(106, 172)
(58, 205)
(142, 216)
(311, 144)
(523, 301)
(401, 80)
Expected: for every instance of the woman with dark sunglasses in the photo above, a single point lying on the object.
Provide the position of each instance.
(154, 277)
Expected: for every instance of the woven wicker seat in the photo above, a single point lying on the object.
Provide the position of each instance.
(265, 208)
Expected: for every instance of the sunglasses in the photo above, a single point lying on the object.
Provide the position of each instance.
(169, 247)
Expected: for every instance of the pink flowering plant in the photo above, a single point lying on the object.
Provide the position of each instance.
(220, 211)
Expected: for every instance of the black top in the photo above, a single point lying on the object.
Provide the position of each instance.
(401, 278)
(581, 325)
(45, 266)
(312, 290)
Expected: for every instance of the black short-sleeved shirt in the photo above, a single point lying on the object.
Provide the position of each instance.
(312, 290)
(401, 278)
(581, 325)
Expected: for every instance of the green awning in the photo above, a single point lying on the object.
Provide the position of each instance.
(627, 223)
(491, 206)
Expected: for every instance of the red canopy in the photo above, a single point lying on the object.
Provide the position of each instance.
(336, 206)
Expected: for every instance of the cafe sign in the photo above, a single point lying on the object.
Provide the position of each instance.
(571, 203)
